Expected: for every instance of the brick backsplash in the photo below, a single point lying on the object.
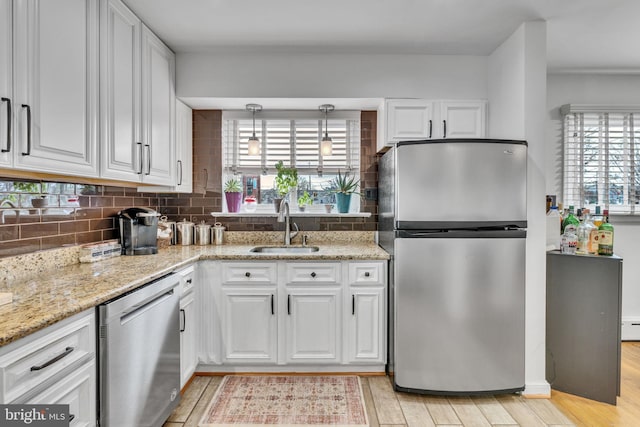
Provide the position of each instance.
(79, 213)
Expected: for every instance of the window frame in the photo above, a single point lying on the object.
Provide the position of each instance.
(232, 144)
(614, 144)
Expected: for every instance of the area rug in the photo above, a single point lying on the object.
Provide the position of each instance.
(286, 401)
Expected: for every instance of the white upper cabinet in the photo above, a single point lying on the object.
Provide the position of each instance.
(137, 95)
(409, 119)
(158, 110)
(49, 81)
(183, 172)
(120, 91)
(463, 119)
(416, 119)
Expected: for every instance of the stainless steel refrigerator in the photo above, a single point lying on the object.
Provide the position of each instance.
(452, 213)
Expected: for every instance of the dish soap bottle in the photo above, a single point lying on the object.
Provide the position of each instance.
(605, 236)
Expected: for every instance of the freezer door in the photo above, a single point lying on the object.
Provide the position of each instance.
(459, 314)
(460, 181)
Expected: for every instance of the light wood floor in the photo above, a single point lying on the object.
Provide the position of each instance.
(387, 408)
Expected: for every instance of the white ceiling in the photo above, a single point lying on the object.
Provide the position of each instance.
(583, 35)
(592, 36)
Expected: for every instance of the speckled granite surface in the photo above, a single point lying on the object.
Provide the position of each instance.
(50, 286)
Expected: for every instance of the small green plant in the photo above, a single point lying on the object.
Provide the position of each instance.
(345, 184)
(305, 200)
(286, 179)
(232, 186)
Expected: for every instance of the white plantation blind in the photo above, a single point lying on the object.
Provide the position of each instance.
(293, 138)
(602, 157)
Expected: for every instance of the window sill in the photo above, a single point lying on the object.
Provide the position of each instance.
(292, 214)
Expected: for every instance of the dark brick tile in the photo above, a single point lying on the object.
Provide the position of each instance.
(19, 247)
(74, 227)
(125, 202)
(101, 201)
(9, 232)
(89, 237)
(58, 241)
(89, 213)
(38, 230)
(101, 224)
(340, 227)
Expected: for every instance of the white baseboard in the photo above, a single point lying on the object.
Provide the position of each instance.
(537, 390)
(631, 329)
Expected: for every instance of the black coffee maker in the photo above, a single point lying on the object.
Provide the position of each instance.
(138, 231)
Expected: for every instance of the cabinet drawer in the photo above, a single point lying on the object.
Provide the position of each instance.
(249, 273)
(186, 279)
(29, 365)
(366, 273)
(313, 273)
(78, 390)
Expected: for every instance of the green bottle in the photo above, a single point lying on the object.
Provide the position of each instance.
(605, 236)
(570, 219)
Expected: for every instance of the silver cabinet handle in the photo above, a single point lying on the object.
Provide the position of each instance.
(8, 149)
(139, 171)
(67, 351)
(148, 159)
(180, 174)
(184, 320)
(28, 108)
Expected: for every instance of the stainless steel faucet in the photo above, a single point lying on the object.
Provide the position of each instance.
(283, 216)
(2, 211)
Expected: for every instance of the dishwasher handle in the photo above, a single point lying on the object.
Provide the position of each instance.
(141, 309)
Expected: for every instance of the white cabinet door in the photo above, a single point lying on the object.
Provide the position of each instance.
(188, 337)
(366, 326)
(184, 148)
(78, 390)
(463, 119)
(55, 103)
(6, 82)
(409, 119)
(158, 110)
(249, 325)
(313, 325)
(120, 115)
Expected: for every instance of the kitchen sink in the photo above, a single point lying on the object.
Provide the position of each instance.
(285, 249)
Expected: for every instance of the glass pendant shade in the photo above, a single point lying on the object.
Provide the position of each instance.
(254, 146)
(326, 146)
(253, 141)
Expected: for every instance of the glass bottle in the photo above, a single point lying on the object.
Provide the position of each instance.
(554, 223)
(569, 240)
(605, 236)
(585, 229)
(570, 219)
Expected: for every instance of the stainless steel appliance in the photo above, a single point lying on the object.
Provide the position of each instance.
(139, 356)
(453, 216)
(138, 231)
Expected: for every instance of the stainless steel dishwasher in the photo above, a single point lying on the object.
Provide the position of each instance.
(139, 355)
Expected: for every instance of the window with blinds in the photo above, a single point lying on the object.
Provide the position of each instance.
(292, 137)
(602, 158)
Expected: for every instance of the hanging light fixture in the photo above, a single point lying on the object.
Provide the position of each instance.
(254, 142)
(326, 145)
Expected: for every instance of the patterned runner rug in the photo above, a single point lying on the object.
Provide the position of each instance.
(286, 401)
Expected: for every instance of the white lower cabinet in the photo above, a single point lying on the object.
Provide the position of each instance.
(313, 325)
(365, 325)
(272, 315)
(76, 390)
(249, 325)
(56, 365)
(188, 326)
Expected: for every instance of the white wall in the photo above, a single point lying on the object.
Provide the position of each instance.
(517, 100)
(246, 75)
(596, 89)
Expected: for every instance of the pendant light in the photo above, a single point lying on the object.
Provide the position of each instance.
(326, 145)
(254, 142)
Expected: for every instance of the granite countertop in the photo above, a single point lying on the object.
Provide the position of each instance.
(62, 291)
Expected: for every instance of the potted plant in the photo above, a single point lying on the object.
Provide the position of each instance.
(304, 201)
(38, 200)
(233, 194)
(286, 180)
(344, 186)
